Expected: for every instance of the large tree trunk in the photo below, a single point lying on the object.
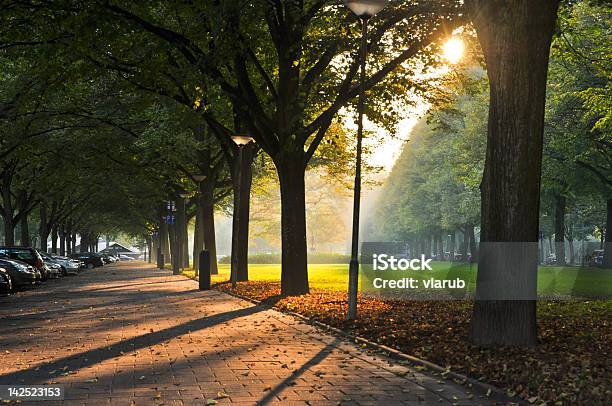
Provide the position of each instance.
(240, 217)
(62, 237)
(515, 37)
(24, 239)
(607, 259)
(43, 229)
(69, 238)
(7, 215)
(560, 229)
(294, 274)
(54, 240)
(198, 237)
(208, 223)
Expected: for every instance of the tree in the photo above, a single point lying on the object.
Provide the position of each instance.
(285, 66)
(515, 37)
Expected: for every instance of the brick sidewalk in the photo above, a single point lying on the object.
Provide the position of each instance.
(134, 335)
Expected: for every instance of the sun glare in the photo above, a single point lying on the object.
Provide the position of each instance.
(453, 50)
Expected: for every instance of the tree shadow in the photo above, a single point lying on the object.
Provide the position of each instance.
(315, 360)
(75, 362)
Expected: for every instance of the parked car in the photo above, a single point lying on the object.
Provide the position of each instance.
(111, 258)
(598, 256)
(125, 258)
(6, 284)
(67, 265)
(90, 259)
(21, 274)
(108, 259)
(54, 270)
(28, 255)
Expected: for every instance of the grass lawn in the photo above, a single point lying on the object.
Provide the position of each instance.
(574, 281)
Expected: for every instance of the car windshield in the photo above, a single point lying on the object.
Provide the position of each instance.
(22, 255)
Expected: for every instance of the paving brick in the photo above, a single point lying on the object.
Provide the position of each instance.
(131, 333)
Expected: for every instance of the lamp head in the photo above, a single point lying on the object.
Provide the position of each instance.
(365, 8)
(199, 178)
(242, 139)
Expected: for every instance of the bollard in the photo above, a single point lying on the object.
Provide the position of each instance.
(204, 270)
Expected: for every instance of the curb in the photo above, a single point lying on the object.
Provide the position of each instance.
(484, 390)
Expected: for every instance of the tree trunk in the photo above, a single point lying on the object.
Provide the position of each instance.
(180, 231)
(43, 230)
(154, 247)
(451, 246)
(24, 239)
(464, 244)
(149, 249)
(73, 241)
(607, 259)
(185, 254)
(473, 247)
(240, 218)
(7, 215)
(172, 236)
(54, 240)
(515, 37)
(435, 244)
(440, 247)
(560, 229)
(208, 223)
(163, 238)
(294, 273)
(69, 238)
(62, 241)
(198, 237)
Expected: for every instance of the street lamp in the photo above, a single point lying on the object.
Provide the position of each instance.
(364, 9)
(240, 140)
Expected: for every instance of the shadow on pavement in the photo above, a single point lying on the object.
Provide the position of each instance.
(75, 362)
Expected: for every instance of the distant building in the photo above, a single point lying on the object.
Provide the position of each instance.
(117, 249)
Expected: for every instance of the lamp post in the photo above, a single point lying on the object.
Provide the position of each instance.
(364, 9)
(240, 140)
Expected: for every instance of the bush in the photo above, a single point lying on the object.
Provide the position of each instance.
(313, 258)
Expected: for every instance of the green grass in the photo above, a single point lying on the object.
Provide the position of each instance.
(575, 281)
